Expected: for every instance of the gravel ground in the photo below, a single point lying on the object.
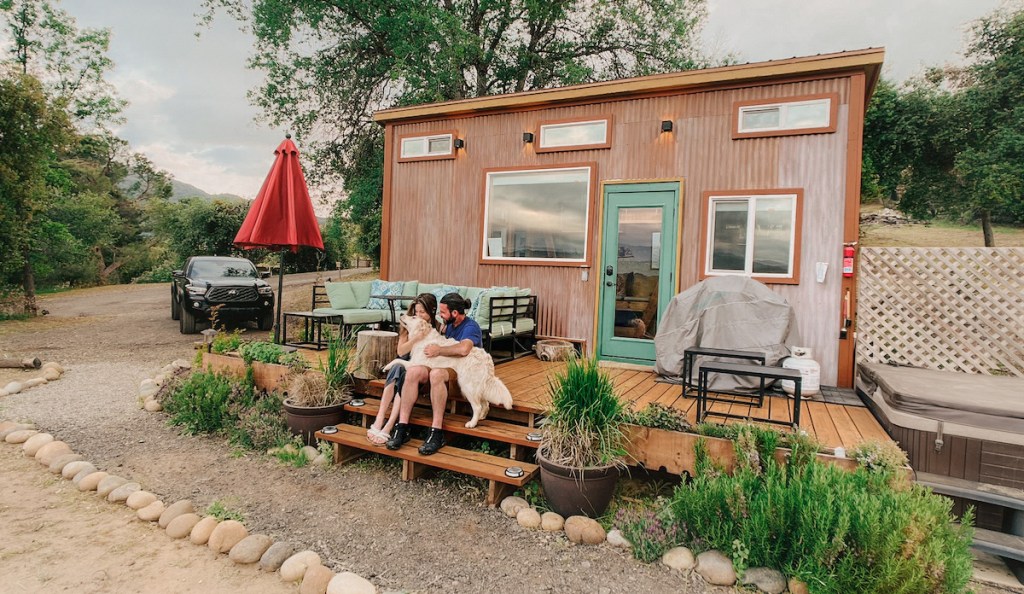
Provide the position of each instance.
(431, 535)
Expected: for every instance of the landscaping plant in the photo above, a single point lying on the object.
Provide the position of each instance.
(200, 403)
(226, 342)
(658, 416)
(262, 351)
(260, 424)
(650, 529)
(584, 423)
(838, 531)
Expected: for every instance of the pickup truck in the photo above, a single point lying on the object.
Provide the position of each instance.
(230, 286)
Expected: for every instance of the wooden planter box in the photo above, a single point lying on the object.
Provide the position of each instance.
(673, 451)
(268, 376)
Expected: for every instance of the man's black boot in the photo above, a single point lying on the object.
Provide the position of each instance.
(399, 436)
(434, 442)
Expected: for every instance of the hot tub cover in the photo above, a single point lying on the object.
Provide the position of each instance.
(983, 401)
(726, 312)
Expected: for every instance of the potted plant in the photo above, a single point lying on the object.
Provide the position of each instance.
(583, 443)
(316, 400)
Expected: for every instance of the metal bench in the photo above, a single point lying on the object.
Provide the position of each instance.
(690, 355)
(762, 372)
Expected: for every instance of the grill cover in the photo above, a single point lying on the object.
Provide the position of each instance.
(726, 312)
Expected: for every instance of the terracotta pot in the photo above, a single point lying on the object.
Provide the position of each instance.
(577, 491)
(307, 420)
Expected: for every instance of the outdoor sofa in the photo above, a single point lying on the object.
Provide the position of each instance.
(505, 314)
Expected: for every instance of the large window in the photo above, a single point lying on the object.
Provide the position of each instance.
(576, 134)
(422, 147)
(796, 115)
(538, 215)
(755, 234)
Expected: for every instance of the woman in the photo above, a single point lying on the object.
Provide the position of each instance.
(424, 306)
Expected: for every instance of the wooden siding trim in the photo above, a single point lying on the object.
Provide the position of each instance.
(833, 115)
(607, 144)
(385, 240)
(589, 250)
(440, 157)
(858, 60)
(851, 224)
(705, 201)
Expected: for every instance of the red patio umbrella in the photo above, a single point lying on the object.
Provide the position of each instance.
(281, 217)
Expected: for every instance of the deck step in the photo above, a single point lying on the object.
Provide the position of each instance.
(350, 442)
(453, 423)
(999, 543)
(975, 491)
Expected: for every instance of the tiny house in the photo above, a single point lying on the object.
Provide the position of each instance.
(607, 199)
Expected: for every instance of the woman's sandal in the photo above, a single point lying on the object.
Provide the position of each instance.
(376, 436)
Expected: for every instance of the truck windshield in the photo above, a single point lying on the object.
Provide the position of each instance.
(223, 269)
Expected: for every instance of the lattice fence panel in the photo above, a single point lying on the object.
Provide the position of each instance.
(956, 309)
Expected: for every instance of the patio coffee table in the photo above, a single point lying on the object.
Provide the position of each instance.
(691, 354)
(313, 324)
(746, 369)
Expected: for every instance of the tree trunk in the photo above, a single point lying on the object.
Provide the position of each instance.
(29, 283)
(374, 349)
(986, 228)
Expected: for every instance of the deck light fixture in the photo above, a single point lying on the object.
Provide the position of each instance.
(527, 136)
(460, 143)
(666, 125)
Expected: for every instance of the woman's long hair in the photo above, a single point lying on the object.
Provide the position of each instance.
(429, 303)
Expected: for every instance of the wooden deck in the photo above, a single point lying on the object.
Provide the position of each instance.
(832, 424)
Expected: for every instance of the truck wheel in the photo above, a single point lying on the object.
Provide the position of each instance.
(266, 321)
(175, 314)
(188, 321)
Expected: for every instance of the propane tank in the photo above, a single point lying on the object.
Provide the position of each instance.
(810, 370)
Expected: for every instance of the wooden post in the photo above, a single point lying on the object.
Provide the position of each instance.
(374, 350)
(33, 363)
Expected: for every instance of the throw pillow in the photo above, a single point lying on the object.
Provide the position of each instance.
(379, 287)
(443, 290)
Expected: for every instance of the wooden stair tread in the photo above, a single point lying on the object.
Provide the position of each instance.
(477, 464)
(999, 543)
(453, 423)
(975, 491)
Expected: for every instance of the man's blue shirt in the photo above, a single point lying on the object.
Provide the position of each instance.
(468, 329)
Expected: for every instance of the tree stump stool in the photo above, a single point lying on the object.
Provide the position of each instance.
(374, 350)
(554, 350)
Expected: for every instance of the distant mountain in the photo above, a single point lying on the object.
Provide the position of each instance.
(181, 190)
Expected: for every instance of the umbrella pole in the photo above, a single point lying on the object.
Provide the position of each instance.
(280, 298)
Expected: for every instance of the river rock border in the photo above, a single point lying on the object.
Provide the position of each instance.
(49, 371)
(714, 567)
(180, 520)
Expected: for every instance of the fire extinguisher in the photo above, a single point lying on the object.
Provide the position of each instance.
(848, 251)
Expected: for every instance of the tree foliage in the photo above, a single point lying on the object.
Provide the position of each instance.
(330, 65)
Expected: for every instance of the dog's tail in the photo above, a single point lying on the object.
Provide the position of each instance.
(497, 393)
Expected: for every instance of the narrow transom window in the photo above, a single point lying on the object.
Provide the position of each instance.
(801, 115)
(537, 215)
(574, 135)
(427, 147)
(752, 235)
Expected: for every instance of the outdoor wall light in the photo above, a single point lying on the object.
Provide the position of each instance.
(460, 143)
(666, 125)
(527, 136)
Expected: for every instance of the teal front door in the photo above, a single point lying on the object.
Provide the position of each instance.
(638, 267)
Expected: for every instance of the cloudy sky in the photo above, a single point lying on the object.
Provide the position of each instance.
(190, 114)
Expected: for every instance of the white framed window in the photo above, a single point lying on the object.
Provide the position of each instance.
(538, 215)
(754, 234)
(577, 134)
(799, 115)
(439, 145)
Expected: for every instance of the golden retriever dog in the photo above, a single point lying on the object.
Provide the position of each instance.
(475, 371)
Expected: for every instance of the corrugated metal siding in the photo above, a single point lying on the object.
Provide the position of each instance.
(437, 206)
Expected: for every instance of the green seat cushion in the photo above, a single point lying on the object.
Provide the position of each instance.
(481, 308)
(525, 325)
(410, 289)
(521, 307)
(356, 316)
(439, 290)
(501, 328)
(361, 289)
(341, 296)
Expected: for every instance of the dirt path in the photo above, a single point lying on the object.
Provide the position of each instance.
(426, 536)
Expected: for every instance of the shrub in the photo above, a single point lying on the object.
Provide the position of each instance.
(264, 352)
(584, 424)
(838, 531)
(260, 425)
(225, 342)
(659, 416)
(651, 531)
(200, 403)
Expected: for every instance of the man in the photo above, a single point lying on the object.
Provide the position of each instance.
(458, 327)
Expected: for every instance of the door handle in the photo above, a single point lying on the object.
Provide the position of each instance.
(609, 284)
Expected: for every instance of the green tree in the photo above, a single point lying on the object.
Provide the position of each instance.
(330, 64)
(196, 227)
(32, 131)
(71, 63)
